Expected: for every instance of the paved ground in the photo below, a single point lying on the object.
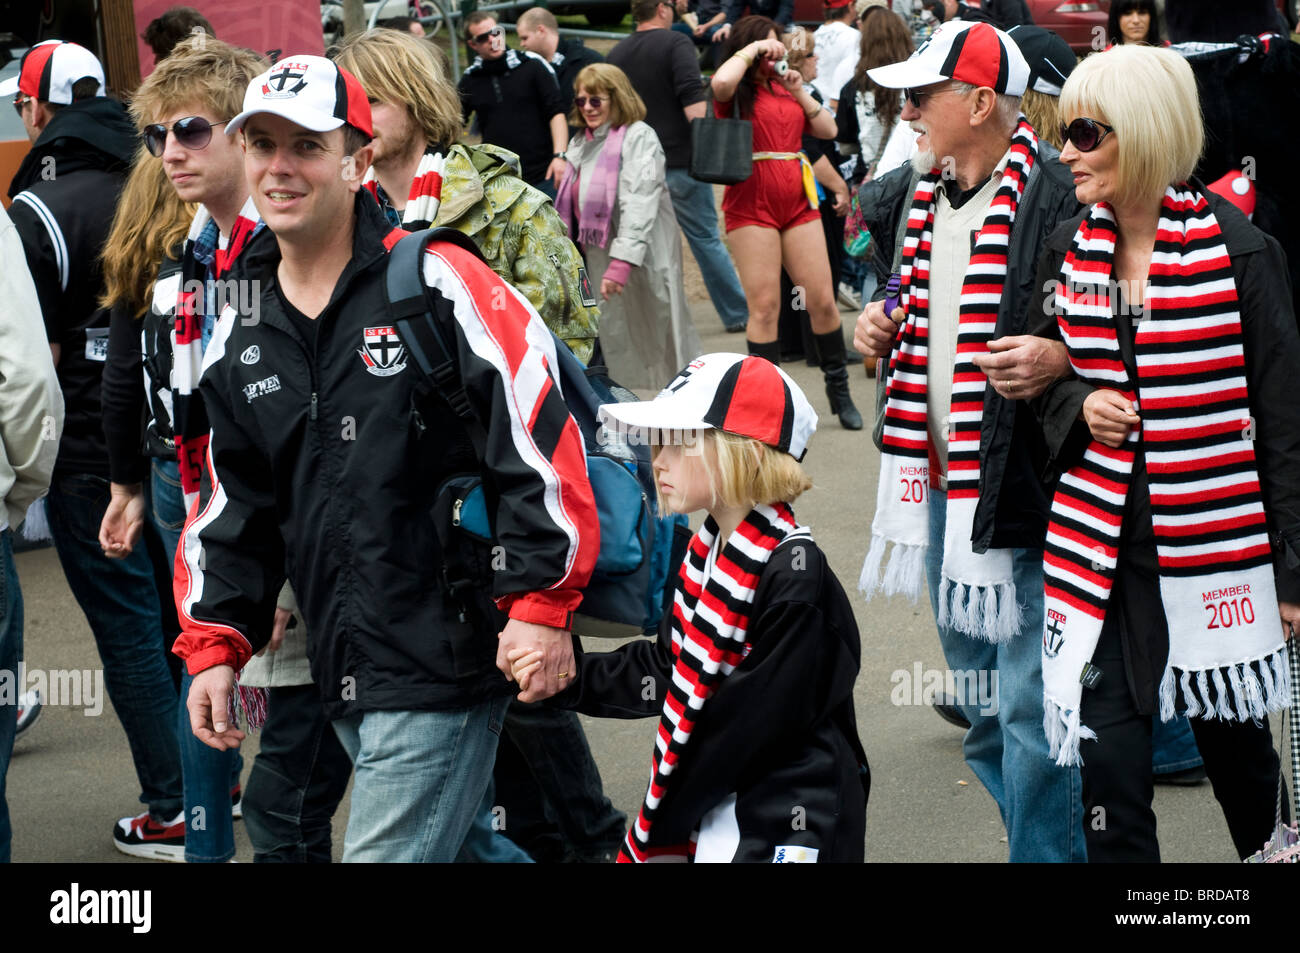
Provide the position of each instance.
(71, 775)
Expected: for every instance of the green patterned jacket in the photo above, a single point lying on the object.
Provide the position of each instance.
(522, 238)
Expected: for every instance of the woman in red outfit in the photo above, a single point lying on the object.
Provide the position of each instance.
(771, 218)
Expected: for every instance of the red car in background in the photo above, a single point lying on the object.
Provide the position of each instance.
(1075, 20)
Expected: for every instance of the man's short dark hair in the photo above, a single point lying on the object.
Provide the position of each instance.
(644, 10)
(164, 32)
(85, 88)
(475, 18)
(353, 139)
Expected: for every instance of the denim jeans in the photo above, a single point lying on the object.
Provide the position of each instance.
(167, 504)
(1173, 746)
(122, 604)
(693, 205)
(420, 778)
(209, 826)
(297, 780)
(1041, 804)
(11, 653)
(485, 843)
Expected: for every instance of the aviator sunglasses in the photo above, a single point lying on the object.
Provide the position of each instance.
(1086, 134)
(484, 37)
(193, 132)
(583, 100)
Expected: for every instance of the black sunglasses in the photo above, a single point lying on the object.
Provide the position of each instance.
(914, 96)
(583, 100)
(193, 132)
(484, 37)
(1086, 134)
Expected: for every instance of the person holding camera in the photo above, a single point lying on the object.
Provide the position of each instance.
(771, 218)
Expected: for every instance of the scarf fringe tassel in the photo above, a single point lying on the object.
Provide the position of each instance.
(36, 525)
(991, 612)
(1241, 691)
(252, 703)
(903, 574)
(1064, 732)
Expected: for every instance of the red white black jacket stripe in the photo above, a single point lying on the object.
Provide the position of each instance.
(320, 468)
(780, 732)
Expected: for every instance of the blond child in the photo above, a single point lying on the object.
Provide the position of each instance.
(757, 756)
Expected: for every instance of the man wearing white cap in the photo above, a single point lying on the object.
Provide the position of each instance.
(327, 454)
(965, 227)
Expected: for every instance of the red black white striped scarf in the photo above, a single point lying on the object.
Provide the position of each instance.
(425, 194)
(709, 629)
(189, 419)
(976, 593)
(1216, 577)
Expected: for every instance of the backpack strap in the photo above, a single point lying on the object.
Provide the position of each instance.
(419, 322)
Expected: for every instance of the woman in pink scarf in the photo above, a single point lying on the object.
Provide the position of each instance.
(617, 208)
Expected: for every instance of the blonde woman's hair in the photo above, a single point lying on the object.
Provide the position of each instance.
(393, 66)
(605, 79)
(1149, 96)
(150, 222)
(745, 471)
(1044, 115)
(202, 71)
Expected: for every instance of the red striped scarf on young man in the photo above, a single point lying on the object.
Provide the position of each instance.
(425, 194)
(711, 616)
(189, 419)
(1215, 564)
(977, 594)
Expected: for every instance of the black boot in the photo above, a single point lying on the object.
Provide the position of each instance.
(830, 348)
(770, 351)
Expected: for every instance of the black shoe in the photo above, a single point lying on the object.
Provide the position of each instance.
(830, 349)
(1188, 777)
(947, 708)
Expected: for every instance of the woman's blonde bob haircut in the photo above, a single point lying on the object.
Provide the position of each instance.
(395, 67)
(1149, 96)
(743, 471)
(603, 79)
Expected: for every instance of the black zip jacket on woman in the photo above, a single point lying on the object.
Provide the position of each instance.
(325, 456)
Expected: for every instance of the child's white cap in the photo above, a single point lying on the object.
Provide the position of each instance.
(746, 396)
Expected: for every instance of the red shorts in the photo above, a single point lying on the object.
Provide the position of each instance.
(772, 197)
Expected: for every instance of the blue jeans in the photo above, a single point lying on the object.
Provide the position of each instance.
(420, 778)
(121, 601)
(167, 504)
(1041, 804)
(11, 653)
(485, 844)
(1173, 746)
(693, 205)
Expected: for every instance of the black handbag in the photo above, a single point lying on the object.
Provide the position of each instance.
(722, 150)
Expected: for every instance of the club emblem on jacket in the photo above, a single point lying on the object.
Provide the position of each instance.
(382, 351)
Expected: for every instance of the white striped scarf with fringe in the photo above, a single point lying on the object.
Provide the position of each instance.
(1226, 652)
(709, 630)
(977, 594)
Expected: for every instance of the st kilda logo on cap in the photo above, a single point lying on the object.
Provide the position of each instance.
(286, 81)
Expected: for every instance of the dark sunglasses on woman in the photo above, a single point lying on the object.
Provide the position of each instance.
(1086, 134)
(583, 100)
(193, 132)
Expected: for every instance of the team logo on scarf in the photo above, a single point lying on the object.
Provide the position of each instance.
(382, 351)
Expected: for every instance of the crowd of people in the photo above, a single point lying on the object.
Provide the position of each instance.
(259, 478)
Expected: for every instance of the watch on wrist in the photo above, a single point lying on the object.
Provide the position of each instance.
(558, 155)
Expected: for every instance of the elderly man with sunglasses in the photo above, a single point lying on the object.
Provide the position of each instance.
(518, 102)
(965, 227)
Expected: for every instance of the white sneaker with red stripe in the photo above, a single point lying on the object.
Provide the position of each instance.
(142, 836)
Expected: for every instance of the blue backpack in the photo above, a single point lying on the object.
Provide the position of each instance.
(626, 594)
